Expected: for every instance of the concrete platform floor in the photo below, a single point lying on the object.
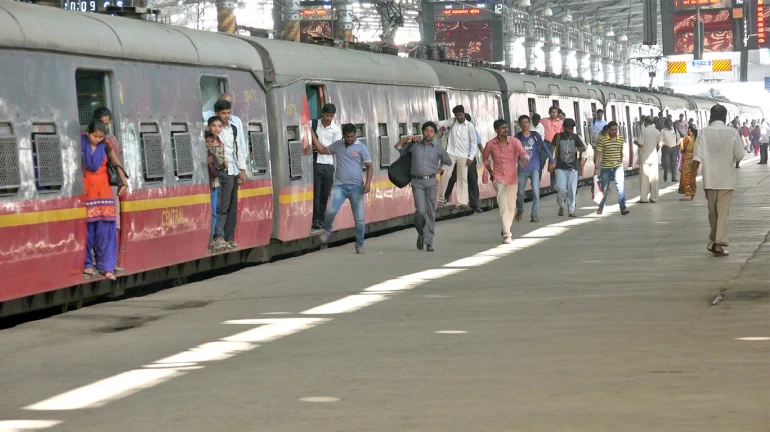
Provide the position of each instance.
(587, 324)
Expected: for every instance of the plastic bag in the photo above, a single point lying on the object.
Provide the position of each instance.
(597, 192)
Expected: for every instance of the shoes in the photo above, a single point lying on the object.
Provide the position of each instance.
(429, 248)
(534, 219)
(325, 237)
(572, 215)
(673, 180)
(599, 211)
(625, 212)
(419, 243)
(478, 210)
(665, 179)
(561, 211)
(232, 244)
(518, 216)
(653, 201)
(643, 202)
(360, 250)
(507, 239)
(316, 226)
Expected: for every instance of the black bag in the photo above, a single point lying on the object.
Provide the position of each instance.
(400, 171)
(112, 171)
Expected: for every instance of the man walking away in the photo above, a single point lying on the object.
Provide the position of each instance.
(569, 165)
(327, 133)
(461, 146)
(427, 160)
(352, 156)
(718, 146)
(609, 156)
(506, 153)
(533, 144)
(764, 140)
(669, 146)
(648, 143)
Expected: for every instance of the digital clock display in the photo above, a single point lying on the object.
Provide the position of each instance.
(88, 5)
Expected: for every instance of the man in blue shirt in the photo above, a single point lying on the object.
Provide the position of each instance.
(532, 142)
(351, 155)
(599, 122)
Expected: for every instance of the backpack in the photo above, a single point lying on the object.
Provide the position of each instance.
(400, 171)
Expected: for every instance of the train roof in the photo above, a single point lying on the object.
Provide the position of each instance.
(45, 28)
(291, 61)
(674, 102)
(523, 83)
(463, 77)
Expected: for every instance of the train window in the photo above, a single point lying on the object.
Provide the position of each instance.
(295, 151)
(46, 157)
(555, 103)
(641, 116)
(361, 133)
(211, 89)
(93, 91)
(316, 98)
(614, 114)
(416, 129)
(576, 108)
(10, 175)
(151, 144)
(402, 132)
(382, 128)
(593, 111)
(181, 148)
(532, 106)
(443, 105)
(629, 128)
(258, 156)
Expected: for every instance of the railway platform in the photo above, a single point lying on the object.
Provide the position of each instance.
(595, 323)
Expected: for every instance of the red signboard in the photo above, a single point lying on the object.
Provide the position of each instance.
(461, 12)
(763, 22)
(717, 31)
(692, 4)
(466, 39)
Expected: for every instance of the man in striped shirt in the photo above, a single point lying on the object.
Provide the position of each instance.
(609, 156)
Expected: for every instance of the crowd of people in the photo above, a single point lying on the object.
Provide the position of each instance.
(453, 145)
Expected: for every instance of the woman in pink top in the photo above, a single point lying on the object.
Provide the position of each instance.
(505, 152)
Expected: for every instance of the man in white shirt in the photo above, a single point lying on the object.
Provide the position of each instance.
(327, 133)
(669, 146)
(460, 136)
(764, 141)
(648, 143)
(231, 178)
(233, 119)
(717, 148)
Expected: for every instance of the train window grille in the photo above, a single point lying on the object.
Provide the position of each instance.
(182, 149)
(295, 159)
(382, 128)
(47, 160)
(258, 155)
(10, 174)
(93, 91)
(151, 141)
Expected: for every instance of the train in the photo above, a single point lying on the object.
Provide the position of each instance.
(57, 66)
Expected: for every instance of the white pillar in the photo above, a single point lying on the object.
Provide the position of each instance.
(548, 56)
(580, 56)
(596, 68)
(619, 79)
(510, 45)
(565, 68)
(529, 50)
(607, 68)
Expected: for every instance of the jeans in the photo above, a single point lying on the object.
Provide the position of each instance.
(214, 197)
(670, 161)
(354, 193)
(227, 207)
(534, 177)
(618, 175)
(566, 188)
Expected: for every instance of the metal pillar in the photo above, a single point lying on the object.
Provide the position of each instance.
(607, 68)
(291, 20)
(529, 50)
(226, 16)
(548, 57)
(619, 79)
(345, 11)
(580, 56)
(596, 68)
(566, 70)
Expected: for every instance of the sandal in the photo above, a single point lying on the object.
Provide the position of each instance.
(232, 244)
(108, 275)
(89, 274)
(719, 254)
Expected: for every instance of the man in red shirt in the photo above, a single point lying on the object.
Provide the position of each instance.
(505, 151)
(552, 125)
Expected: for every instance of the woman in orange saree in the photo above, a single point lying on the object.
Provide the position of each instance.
(687, 147)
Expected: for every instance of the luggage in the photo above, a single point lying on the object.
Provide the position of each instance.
(400, 171)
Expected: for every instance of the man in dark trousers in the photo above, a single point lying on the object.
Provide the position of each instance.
(427, 159)
(473, 177)
(328, 133)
